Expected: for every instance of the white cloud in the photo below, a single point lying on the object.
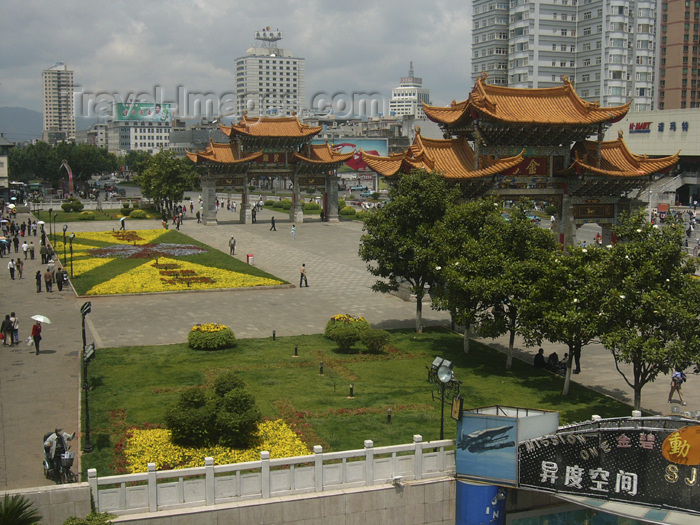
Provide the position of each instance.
(125, 46)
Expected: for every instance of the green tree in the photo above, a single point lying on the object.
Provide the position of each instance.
(564, 303)
(514, 257)
(459, 288)
(17, 510)
(399, 244)
(165, 178)
(651, 301)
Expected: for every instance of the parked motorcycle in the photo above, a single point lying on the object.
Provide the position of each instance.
(58, 467)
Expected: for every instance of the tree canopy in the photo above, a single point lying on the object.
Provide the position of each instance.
(165, 178)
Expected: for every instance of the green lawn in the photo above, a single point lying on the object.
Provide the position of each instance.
(144, 381)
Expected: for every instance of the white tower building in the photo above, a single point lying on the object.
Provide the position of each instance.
(270, 81)
(59, 113)
(407, 98)
(605, 47)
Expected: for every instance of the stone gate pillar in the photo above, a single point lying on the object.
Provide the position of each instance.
(567, 226)
(208, 200)
(296, 212)
(606, 234)
(330, 198)
(246, 215)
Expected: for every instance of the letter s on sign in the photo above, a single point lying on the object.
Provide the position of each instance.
(671, 473)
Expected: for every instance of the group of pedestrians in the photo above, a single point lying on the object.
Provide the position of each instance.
(10, 332)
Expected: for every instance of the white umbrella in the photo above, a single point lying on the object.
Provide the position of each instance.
(11, 206)
(40, 222)
(13, 198)
(41, 319)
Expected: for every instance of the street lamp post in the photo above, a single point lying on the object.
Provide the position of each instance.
(50, 213)
(72, 236)
(65, 227)
(54, 231)
(440, 374)
(88, 353)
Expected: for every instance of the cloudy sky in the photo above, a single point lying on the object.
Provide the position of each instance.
(123, 47)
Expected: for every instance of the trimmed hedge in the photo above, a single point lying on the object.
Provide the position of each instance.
(348, 211)
(86, 216)
(345, 330)
(138, 214)
(72, 205)
(311, 206)
(375, 340)
(211, 337)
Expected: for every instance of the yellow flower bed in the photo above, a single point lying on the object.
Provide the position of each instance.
(78, 249)
(147, 236)
(347, 318)
(80, 266)
(154, 446)
(208, 327)
(146, 278)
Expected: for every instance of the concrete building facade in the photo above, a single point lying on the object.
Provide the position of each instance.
(124, 136)
(679, 48)
(605, 47)
(59, 114)
(270, 81)
(408, 98)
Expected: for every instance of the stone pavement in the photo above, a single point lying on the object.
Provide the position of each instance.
(39, 392)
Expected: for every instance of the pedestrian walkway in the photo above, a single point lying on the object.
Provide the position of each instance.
(38, 393)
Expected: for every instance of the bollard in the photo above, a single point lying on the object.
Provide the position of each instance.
(388, 416)
(296, 350)
(274, 335)
(321, 368)
(352, 390)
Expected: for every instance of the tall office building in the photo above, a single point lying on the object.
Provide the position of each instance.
(270, 81)
(605, 47)
(407, 99)
(678, 54)
(59, 113)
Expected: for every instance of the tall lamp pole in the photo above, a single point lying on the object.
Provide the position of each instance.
(54, 231)
(50, 214)
(440, 374)
(65, 227)
(88, 353)
(72, 236)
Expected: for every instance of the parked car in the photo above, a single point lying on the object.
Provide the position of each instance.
(367, 194)
(533, 218)
(359, 188)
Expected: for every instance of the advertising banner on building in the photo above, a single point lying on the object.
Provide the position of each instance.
(636, 465)
(486, 448)
(348, 144)
(143, 112)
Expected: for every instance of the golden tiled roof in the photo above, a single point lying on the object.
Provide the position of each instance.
(271, 127)
(617, 160)
(221, 153)
(453, 158)
(557, 105)
(322, 154)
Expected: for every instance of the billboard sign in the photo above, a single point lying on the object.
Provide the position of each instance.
(623, 464)
(348, 144)
(143, 112)
(486, 448)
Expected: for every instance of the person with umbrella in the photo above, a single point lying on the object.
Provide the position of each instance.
(122, 221)
(36, 330)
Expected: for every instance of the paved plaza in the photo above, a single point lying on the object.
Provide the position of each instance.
(40, 392)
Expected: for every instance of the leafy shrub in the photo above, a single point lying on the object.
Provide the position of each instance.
(211, 336)
(344, 330)
(374, 340)
(18, 510)
(225, 415)
(269, 204)
(227, 382)
(362, 214)
(284, 204)
(138, 214)
(72, 204)
(375, 195)
(86, 216)
(348, 211)
(341, 204)
(191, 419)
(251, 188)
(310, 191)
(94, 518)
(311, 206)
(550, 210)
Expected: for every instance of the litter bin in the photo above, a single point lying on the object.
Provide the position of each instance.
(249, 258)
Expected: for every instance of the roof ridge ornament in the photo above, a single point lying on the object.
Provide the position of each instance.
(619, 134)
(565, 80)
(417, 130)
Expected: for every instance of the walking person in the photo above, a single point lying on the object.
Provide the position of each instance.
(15, 241)
(677, 380)
(48, 276)
(36, 335)
(232, 245)
(44, 252)
(302, 277)
(273, 228)
(20, 267)
(15, 328)
(11, 267)
(38, 281)
(294, 231)
(123, 224)
(7, 329)
(31, 250)
(25, 249)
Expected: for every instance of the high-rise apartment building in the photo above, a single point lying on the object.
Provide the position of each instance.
(407, 99)
(678, 54)
(59, 113)
(270, 81)
(605, 47)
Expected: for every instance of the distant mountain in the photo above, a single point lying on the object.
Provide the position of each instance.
(21, 124)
